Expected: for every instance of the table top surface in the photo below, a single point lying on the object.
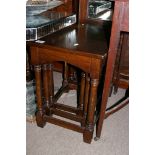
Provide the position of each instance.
(86, 39)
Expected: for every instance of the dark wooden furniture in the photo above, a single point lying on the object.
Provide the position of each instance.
(68, 6)
(120, 23)
(121, 70)
(83, 46)
(121, 74)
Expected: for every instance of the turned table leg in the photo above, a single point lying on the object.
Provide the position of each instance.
(65, 75)
(88, 133)
(82, 90)
(40, 112)
(50, 80)
(48, 85)
(86, 96)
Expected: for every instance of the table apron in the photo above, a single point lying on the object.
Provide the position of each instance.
(88, 64)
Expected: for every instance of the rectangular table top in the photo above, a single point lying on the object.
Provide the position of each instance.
(87, 39)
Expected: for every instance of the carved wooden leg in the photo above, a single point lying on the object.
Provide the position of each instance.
(88, 133)
(65, 76)
(86, 97)
(40, 112)
(48, 86)
(81, 98)
(82, 90)
(50, 81)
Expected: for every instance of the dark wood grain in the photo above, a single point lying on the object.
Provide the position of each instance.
(64, 124)
(90, 38)
(120, 23)
(40, 112)
(82, 45)
(89, 56)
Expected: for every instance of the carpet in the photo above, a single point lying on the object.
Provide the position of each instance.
(55, 140)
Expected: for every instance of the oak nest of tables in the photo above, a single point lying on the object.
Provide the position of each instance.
(83, 46)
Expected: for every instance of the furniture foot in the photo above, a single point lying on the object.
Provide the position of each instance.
(87, 136)
(96, 138)
(39, 119)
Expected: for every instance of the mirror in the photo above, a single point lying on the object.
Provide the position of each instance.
(100, 9)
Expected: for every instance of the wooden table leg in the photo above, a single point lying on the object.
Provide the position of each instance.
(88, 133)
(50, 81)
(120, 23)
(48, 85)
(82, 90)
(40, 112)
(65, 75)
(86, 96)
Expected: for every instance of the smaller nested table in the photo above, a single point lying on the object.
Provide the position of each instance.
(83, 46)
